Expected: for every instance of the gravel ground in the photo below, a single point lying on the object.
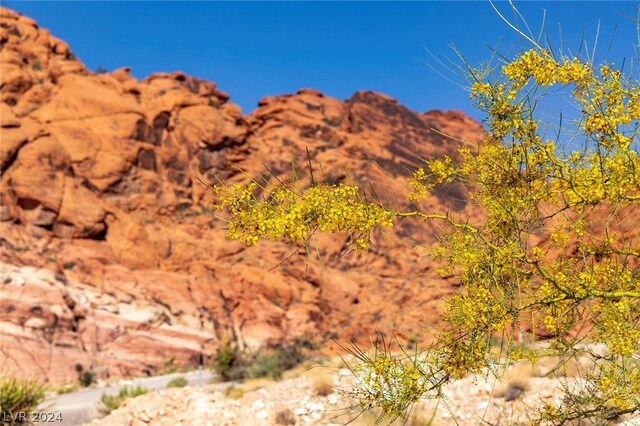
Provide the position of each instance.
(472, 401)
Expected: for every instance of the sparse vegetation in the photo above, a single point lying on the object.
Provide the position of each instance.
(178, 382)
(69, 265)
(67, 388)
(232, 364)
(273, 363)
(108, 403)
(18, 398)
(169, 365)
(265, 365)
(228, 362)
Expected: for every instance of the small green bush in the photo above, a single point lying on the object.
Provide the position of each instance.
(18, 397)
(231, 364)
(291, 355)
(178, 382)
(273, 363)
(266, 365)
(108, 403)
(85, 377)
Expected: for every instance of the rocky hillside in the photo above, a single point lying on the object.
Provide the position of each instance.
(111, 257)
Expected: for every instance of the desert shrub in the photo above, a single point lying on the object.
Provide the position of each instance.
(19, 398)
(234, 392)
(515, 381)
(178, 382)
(556, 249)
(232, 364)
(229, 362)
(108, 403)
(85, 377)
(322, 385)
(285, 416)
(267, 364)
(272, 363)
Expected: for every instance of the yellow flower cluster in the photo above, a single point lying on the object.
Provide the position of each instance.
(616, 325)
(611, 390)
(440, 170)
(479, 310)
(294, 214)
(608, 105)
(387, 382)
(461, 355)
(619, 386)
(545, 70)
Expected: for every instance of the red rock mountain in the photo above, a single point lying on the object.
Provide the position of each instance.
(111, 257)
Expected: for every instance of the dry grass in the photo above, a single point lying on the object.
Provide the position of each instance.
(314, 368)
(234, 392)
(285, 416)
(255, 384)
(554, 367)
(515, 381)
(322, 385)
(421, 415)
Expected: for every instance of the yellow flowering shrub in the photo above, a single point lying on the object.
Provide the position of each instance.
(558, 250)
(292, 213)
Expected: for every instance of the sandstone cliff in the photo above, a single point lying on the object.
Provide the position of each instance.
(111, 256)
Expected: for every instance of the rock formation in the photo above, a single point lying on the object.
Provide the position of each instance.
(111, 256)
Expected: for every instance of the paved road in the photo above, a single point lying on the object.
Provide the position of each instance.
(82, 406)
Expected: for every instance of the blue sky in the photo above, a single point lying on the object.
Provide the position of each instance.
(255, 49)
